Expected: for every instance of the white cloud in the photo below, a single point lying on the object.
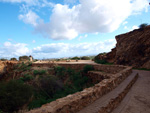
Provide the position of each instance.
(14, 50)
(125, 27)
(81, 37)
(125, 22)
(89, 16)
(30, 18)
(134, 27)
(57, 50)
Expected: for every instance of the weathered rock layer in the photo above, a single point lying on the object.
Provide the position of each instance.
(132, 48)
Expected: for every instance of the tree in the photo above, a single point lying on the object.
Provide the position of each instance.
(75, 58)
(3, 59)
(13, 59)
(85, 58)
(23, 58)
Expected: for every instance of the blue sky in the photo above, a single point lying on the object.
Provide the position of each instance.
(65, 28)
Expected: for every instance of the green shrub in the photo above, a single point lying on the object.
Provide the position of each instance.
(88, 68)
(39, 72)
(23, 66)
(50, 84)
(37, 102)
(26, 77)
(13, 95)
(60, 72)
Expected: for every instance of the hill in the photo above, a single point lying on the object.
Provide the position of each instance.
(132, 49)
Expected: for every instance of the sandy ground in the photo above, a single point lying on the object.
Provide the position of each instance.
(68, 62)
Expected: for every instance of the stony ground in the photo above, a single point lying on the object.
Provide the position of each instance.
(138, 98)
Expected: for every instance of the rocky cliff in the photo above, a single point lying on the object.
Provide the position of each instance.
(132, 48)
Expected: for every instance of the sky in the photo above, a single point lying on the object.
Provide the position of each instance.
(66, 28)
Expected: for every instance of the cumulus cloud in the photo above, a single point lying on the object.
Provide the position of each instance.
(89, 16)
(134, 27)
(30, 18)
(14, 50)
(57, 50)
(125, 22)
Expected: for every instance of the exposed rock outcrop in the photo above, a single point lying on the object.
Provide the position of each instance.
(132, 48)
(2, 67)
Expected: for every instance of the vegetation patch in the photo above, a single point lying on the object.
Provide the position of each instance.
(31, 88)
(14, 95)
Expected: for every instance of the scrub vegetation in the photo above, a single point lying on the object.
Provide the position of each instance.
(26, 87)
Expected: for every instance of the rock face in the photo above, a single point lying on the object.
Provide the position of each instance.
(132, 48)
(2, 67)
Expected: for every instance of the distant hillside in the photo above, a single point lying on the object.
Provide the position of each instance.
(132, 48)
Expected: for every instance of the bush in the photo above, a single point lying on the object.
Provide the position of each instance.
(75, 58)
(39, 72)
(88, 68)
(85, 58)
(26, 78)
(13, 59)
(50, 84)
(99, 61)
(45, 89)
(60, 72)
(13, 95)
(143, 25)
